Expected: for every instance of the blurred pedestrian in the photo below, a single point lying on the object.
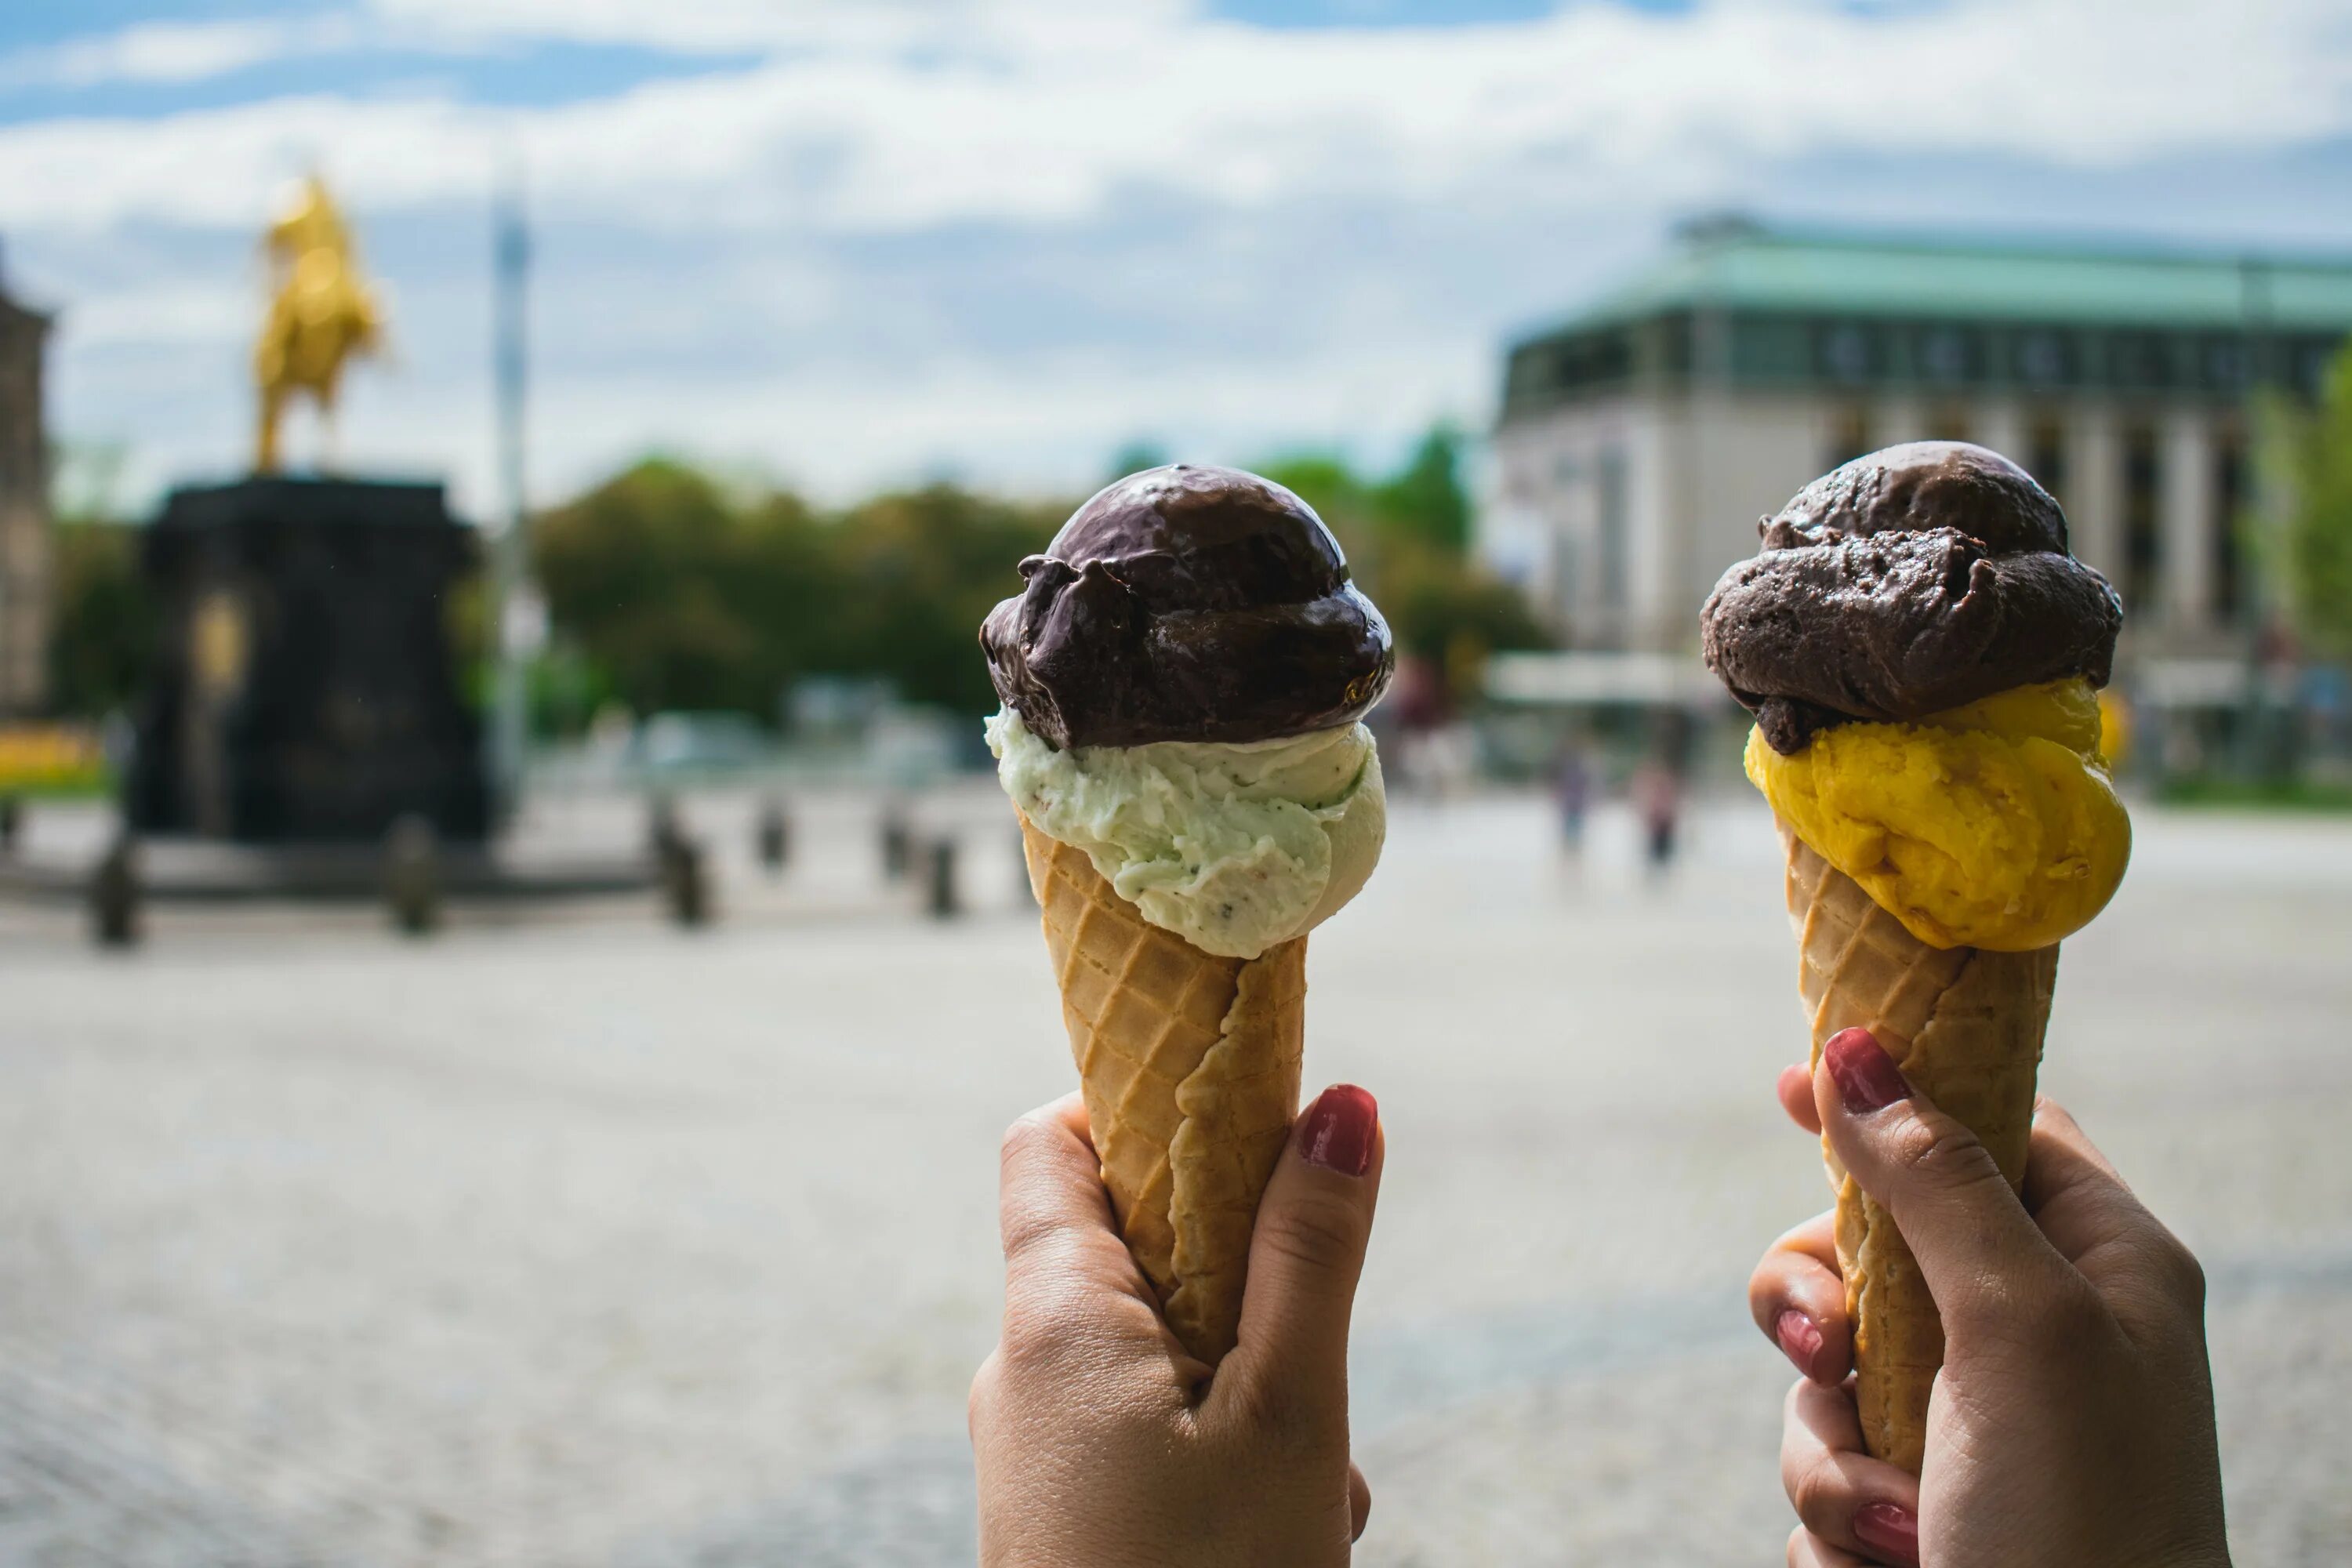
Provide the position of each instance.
(1658, 803)
(1571, 793)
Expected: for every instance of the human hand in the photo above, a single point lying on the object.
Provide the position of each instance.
(1100, 1442)
(2073, 1421)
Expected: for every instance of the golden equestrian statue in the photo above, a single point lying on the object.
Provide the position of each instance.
(321, 315)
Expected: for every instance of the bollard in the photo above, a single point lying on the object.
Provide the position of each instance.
(662, 828)
(940, 879)
(12, 823)
(686, 883)
(1025, 894)
(114, 895)
(897, 843)
(412, 875)
(775, 833)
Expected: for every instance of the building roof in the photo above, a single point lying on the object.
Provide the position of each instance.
(1737, 264)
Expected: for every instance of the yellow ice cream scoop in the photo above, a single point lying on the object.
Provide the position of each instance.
(1993, 825)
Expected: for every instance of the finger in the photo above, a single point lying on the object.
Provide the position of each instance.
(1797, 1299)
(1306, 1255)
(1980, 1254)
(2098, 1224)
(1807, 1550)
(1065, 1264)
(1796, 1091)
(1845, 1498)
(1360, 1502)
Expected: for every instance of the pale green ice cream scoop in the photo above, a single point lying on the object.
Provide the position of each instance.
(1233, 846)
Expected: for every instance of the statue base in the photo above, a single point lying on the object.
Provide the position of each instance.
(304, 688)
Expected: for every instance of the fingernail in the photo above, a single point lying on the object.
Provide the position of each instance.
(1801, 1340)
(1887, 1528)
(1337, 1130)
(1866, 1077)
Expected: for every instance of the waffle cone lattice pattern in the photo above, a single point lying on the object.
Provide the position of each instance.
(1190, 1063)
(1966, 1028)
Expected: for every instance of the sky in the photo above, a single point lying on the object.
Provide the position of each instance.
(850, 244)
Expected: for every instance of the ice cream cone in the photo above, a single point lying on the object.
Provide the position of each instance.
(1190, 1064)
(1966, 1026)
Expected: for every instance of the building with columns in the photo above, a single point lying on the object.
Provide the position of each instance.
(26, 545)
(1641, 439)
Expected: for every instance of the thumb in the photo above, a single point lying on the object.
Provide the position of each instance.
(1978, 1249)
(1306, 1255)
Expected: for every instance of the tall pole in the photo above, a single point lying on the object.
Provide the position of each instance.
(509, 562)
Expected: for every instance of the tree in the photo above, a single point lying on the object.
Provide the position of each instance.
(104, 633)
(920, 570)
(685, 595)
(1425, 500)
(683, 598)
(2310, 545)
(1407, 538)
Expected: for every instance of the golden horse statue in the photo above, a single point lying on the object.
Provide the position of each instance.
(322, 313)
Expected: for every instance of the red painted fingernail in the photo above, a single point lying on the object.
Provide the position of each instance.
(1801, 1340)
(1337, 1130)
(1884, 1526)
(1866, 1077)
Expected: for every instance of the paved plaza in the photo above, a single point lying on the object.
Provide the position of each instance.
(578, 1239)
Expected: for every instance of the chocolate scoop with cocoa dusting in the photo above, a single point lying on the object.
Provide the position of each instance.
(1188, 603)
(1913, 580)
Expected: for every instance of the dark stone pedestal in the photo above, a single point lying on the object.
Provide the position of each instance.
(304, 689)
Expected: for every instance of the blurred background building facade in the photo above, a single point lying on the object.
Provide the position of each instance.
(25, 546)
(1638, 442)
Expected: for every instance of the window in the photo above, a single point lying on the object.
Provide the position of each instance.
(2042, 359)
(2143, 532)
(2225, 364)
(2139, 360)
(1847, 352)
(1946, 355)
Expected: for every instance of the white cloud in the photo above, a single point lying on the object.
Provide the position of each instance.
(173, 52)
(1047, 112)
(1215, 164)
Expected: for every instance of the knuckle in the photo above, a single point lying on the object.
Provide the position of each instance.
(1319, 1233)
(1813, 1493)
(2178, 1269)
(984, 1392)
(1045, 1329)
(1022, 1138)
(1946, 1152)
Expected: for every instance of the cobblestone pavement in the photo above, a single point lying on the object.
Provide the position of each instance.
(578, 1240)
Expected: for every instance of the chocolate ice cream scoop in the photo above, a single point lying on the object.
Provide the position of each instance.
(1915, 579)
(1188, 603)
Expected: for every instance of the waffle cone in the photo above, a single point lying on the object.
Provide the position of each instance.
(1966, 1028)
(1190, 1065)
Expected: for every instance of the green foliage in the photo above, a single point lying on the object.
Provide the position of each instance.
(675, 592)
(2311, 551)
(1425, 500)
(686, 599)
(919, 571)
(104, 632)
(1407, 538)
(685, 596)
